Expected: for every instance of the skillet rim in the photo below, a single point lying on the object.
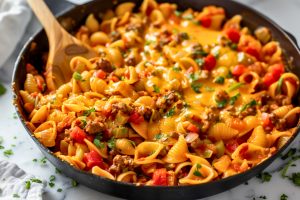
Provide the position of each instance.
(48, 153)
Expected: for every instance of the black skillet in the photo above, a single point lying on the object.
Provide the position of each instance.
(76, 15)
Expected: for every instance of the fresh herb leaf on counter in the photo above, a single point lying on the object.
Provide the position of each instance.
(27, 185)
(36, 180)
(264, 176)
(52, 178)
(289, 154)
(2, 89)
(59, 190)
(296, 178)
(74, 183)
(8, 152)
(43, 161)
(283, 197)
(51, 184)
(16, 196)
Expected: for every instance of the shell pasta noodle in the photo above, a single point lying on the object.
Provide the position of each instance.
(174, 97)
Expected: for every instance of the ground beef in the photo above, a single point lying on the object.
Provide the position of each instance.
(164, 102)
(222, 95)
(144, 111)
(104, 64)
(251, 111)
(130, 61)
(121, 163)
(120, 106)
(280, 124)
(135, 27)
(115, 35)
(95, 126)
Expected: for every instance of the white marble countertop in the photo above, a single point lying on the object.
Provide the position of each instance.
(285, 13)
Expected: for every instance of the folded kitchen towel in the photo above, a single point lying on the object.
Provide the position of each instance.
(14, 17)
(13, 183)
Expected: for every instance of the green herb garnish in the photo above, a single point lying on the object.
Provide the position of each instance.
(248, 105)
(229, 75)
(1, 147)
(219, 80)
(156, 89)
(221, 104)
(16, 196)
(2, 89)
(265, 177)
(111, 143)
(194, 77)
(234, 98)
(235, 86)
(51, 184)
(35, 180)
(8, 152)
(199, 61)
(283, 197)
(74, 183)
(27, 185)
(43, 160)
(184, 36)
(77, 76)
(52, 178)
(88, 112)
(98, 143)
(279, 85)
(296, 178)
(176, 69)
(177, 13)
(171, 112)
(59, 190)
(197, 172)
(196, 87)
(289, 154)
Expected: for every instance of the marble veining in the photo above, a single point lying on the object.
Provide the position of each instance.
(285, 13)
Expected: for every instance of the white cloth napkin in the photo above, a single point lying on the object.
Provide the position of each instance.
(14, 17)
(13, 181)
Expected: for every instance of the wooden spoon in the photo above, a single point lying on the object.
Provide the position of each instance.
(62, 46)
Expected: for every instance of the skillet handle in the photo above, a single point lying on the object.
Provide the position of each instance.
(57, 6)
(293, 38)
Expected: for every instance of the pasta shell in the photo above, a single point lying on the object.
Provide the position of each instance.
(101, 172)
(98, 85)
(292, 117)
(146, 101)
(41, 115)
(85, 84)
(206, 175)
(156, 17)
(180, 166)
(125, 146)
(252, 153)
(222, 164)
(147, 6)
(275, 135)
(71, 107)
(251, 123)
(197, 159)
(258, 137)
(30, 84)
(92, 147)
(133, 76)
(128, 177)
(177, 153)
(124, 8)
(64, 90)
(220, 131)
(26, 97)
(146, 152)
(141, 128)
(46, 133)
(282, 111)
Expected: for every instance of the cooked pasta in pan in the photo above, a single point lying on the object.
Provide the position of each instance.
(173, 98)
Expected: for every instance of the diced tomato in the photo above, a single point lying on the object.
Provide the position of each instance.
(239, 70)
(243, 152)
(114, 78)
(90, 138)
(269, 79)
(92, 159)
(292, 81)
(78, 134)
(192, 128)
(160, 177)
(205, 21)
(236, 166)
(209, 62)
(136, 118)
(266, 120)
(233, 34)
(252, 51)
(231, 145)
(100, 74)
(276, 70)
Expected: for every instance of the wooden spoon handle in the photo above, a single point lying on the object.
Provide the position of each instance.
(47, 19)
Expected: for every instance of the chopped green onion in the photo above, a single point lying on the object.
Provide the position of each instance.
(296, 178)
(51, 184)
(197, 172)
(235, 86)
(27, 185)
(77, 76)
(219, 80)
(176, 69)
(199, 61)
(52, 178)
(221, 104)
(234, 98)
(188, 17)
(279, 85)
(283, 197)
(156, 89)
(177, 13)
(35, 180)
(2, 89)
(196, 87)
(88, 112)
(8, 152)
(59, 190)
(265, 177)
(111, 143)
(289, 154)
(170, 112)
(248, 105)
